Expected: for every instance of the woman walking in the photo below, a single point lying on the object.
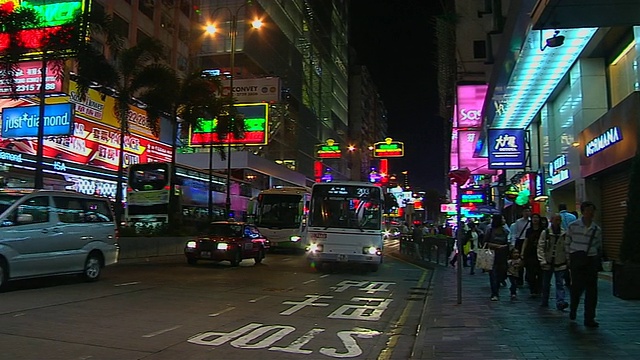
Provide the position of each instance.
(533, 271)
(497, 239)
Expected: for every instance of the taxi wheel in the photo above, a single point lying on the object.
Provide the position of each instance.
(237, 258)
(259, 257)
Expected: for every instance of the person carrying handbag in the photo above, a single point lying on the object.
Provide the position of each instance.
(582, 248)
(497, 239)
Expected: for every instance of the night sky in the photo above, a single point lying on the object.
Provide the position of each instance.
(395, 40)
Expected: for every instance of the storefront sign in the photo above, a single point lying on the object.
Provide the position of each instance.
(28, 79)
(22, 122)
(7, 156)
(506, 148)
(469, 102)
(254, 90)
(540, 193)
(463, 144)
(255, 128)
(558, 171)
(603, 141)
(388, 148)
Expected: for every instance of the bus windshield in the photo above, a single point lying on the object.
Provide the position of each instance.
(350, 207)
(279, 210)
(145, 177)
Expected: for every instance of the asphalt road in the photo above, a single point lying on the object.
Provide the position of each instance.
(165, 309)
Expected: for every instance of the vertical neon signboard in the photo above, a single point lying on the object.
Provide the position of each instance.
(469, 102)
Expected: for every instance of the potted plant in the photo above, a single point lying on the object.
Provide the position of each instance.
(626, 273)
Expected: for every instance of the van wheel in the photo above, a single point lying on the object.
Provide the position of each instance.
(4, 275)
(237, 258)
(260, 256)
(92, 268)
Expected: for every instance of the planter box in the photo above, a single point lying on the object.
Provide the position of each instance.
(626, 281)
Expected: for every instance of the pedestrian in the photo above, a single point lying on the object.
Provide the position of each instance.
(459, 244)
(518, 235)
(417, 237)
(533, 274)
(583, 245)
(553, 261)
(473, 238)
(514, 264)
(497, 239)
(567, 217)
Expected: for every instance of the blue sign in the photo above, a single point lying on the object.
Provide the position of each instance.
(507, 148)
(22, 122)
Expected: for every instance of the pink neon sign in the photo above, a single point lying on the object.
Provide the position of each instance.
(462, 149)
(469, 102)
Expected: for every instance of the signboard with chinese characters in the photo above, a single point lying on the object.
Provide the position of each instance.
(507, 148)
(558, 170)
(328, 150)
(388, 148)
(462, 148)
(28, 78)
(469, 102)
(22, 121)
(255, 128)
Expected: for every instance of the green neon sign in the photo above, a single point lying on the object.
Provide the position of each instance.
(52, 13)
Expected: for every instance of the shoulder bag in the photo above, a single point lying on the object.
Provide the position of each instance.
(485, 258)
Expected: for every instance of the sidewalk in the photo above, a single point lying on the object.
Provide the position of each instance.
(483, 329)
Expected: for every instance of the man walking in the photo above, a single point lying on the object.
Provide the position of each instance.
(583, 244)
(566, 216)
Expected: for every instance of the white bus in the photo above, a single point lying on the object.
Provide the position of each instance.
(345, 224)
(281, 215)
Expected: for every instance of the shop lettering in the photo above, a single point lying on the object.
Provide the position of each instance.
(241, 89)
(605, 140)
(59, 166)
(31, 121)
(10, 157)
(469, 114)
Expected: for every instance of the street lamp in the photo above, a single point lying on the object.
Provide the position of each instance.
(233, 33)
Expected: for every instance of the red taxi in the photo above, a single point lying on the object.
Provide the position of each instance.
(228, 241)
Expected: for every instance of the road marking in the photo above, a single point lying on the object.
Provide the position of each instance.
(127, 284)
(161, 331)
(19, 314)
(324, 276)
(258, 298)
(223, 311)
(308, 282)
(387, 352)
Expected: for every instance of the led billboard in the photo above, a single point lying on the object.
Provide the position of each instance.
(28, 78)
(469, 102)
(255, 128)
(22, 121)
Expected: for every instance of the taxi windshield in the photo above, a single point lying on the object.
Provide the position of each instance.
(230, 230)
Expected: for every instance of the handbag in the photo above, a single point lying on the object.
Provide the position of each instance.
(485, 258)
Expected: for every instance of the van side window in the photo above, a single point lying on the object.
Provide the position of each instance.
(37, 207)
(98, 211)
(69, 209)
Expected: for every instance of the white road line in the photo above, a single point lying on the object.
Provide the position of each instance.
(223, 311)
(324, 276)
(19, 314)
(258, 298)
(129, 283)
(308, 281)
(161, 331)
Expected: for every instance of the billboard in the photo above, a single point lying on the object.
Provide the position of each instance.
(28, 78)
(55, 17)
(95, 144)
(255, 128)
(329, 150)
(254, 90)
(388, 148)
(462, 147)
(469, 102)
(507, 148)
(22, 121)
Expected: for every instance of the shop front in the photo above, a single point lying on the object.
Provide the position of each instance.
(607, 147)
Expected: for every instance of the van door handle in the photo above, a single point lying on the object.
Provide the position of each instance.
(45, 231)
(86, 238)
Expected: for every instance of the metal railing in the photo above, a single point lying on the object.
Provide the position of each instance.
(433, 249)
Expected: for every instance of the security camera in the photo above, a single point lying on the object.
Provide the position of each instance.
(555, 41)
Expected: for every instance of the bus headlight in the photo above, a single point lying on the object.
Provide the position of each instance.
(295, 238)
(315, 248)
(222, 246)
(371, 250)
(191, 245)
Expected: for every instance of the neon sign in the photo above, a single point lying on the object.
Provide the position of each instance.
(388, 148)
(603, 141)
(330, 150)
(28, 78)
(255, 128)
(21, 122)
(557, 171)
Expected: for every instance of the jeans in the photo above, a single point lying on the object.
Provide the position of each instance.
(472, 256)
(513, 280)
(494, 281)
(546, 286)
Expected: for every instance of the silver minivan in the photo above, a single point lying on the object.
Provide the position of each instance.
(46, 232)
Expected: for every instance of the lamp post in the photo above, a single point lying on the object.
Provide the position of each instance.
(233, 33)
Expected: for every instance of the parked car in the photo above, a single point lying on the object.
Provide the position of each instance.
(228, 241)
(46, 232)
